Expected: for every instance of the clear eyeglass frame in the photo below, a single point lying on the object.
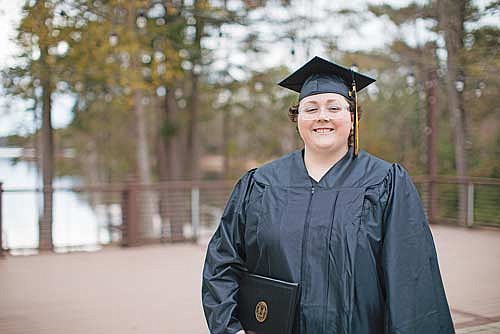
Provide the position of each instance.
(331, 112)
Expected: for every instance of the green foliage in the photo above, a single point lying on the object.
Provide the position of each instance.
(110, 56)
(482, 59)
(169, 129)
(406, 14)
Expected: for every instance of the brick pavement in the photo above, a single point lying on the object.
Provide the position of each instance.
(470, 266)
(156, 289)
(492, 328)
(147, 290)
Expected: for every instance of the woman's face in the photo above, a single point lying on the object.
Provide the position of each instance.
(324, 122)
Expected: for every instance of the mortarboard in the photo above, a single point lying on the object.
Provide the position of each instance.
(319, 76)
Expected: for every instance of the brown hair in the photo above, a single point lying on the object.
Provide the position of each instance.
(293, 112)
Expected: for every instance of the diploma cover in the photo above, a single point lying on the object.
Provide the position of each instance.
(267, 305)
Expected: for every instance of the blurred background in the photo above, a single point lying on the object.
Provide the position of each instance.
(126, 123)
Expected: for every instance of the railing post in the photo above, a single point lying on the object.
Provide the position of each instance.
(1, 230)
(195, 212)
(130, 216)
(470, 204)
(177, 217)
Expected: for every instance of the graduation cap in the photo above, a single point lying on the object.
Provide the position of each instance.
(319, 76)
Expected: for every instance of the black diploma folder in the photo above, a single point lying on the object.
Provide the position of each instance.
(267, 305)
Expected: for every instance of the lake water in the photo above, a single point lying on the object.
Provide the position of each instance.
(75, 223)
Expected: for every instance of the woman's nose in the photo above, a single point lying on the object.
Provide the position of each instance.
(323, 115)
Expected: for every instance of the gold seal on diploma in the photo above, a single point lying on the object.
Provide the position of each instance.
(261, 311)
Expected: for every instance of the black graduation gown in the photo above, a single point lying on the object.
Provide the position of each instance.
(357, 242)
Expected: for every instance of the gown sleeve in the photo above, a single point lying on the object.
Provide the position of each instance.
(414, 292)
(225, 263)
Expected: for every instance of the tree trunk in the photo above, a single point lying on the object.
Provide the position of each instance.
(174, 161)
(452, 17)
(45, 226)
(169, 165)
(143, 169)
(226, 139)
(143, 164)
(193, 165)
(431, 134)
(193, 145)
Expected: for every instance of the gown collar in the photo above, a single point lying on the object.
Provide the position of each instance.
(332, 178)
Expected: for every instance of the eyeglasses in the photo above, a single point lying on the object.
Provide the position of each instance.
(313, 112)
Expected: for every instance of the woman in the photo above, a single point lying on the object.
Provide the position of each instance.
(345, 225)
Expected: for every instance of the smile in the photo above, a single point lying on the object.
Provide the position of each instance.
(323, 130)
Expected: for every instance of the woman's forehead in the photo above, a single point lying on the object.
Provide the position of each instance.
(322, 98)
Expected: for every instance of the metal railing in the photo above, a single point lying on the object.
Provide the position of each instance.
(441, 198)
(128, 214)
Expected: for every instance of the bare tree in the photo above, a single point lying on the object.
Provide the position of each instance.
(452, 14)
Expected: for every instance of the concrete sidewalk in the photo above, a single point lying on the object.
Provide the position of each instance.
(156, 289)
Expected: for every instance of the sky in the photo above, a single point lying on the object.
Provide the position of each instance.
(373, 34)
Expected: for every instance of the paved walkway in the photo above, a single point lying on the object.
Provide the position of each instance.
(492, 328)
(156, 289)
